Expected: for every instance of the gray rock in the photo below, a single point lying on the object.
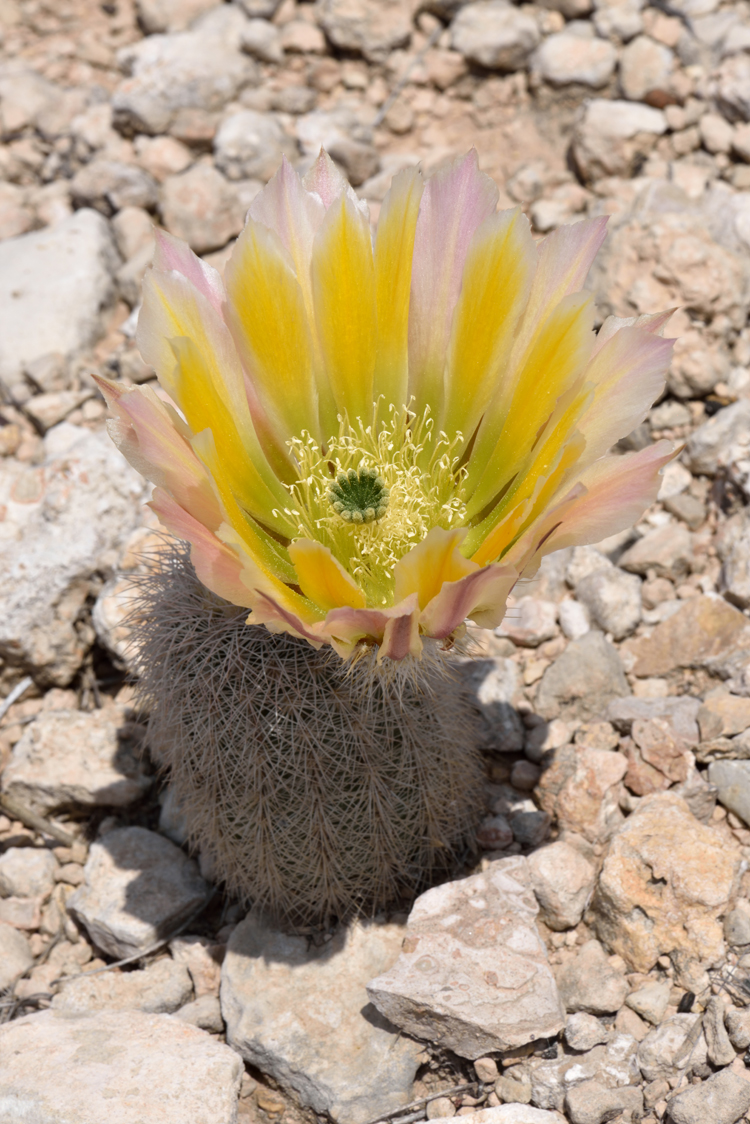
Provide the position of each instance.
(529, 622)
(611, 137)
(650, 1001)
(613, 1066)
(372, 28)
(723, 1098)
(262, 40)
(515, 1114)
(592, 1103)
(203, 958)
(493, 683)
(719, 1048)
(54, 284)
(583, 1032)
(574, 619)
(250, 145)
(734, 552)
(118, 1066)
(566, 58)
(494, 34)
(583, 680)
(203, 69)
(65, 520)
(563, 881)
(27, 872)
(203, 208)
(161, 988)
(15, 955)
(680, 711)
(530, 826)
(71, 757)
(138, 888)
(108, 186)
(346, 139)
(645, 65)
(473, 974)
(582, 561)
(727, 427)
(733, 87)
(732, 778)
(301, 1014)
(737, 1022)
(663, 1045)
(667, 550)
(204, 1012)
(590, 983)
(737, 924)
(613, 600)
(25, 96)
(171, 15)
(262, 9)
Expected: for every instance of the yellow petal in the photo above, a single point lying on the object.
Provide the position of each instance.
(344, 294)
(431, 563)
(497, 277)
(394, 250)
(270, 327)
(322, 579)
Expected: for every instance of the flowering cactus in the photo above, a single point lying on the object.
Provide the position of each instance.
(367, 443)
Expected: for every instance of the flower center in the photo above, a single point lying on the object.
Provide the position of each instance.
(359, 496)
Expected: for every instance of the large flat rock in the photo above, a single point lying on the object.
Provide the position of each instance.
(704, 628)
(473, 974)
(54, 284)
(301, 1014)
(122, 1067)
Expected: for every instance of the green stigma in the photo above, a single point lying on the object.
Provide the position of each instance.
(359, 497)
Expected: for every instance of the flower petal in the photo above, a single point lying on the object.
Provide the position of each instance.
(322, 578)
(456, 201)
(277, 618)
(480, 596)
(347, 627)
(394, 250)
(431, 563)
(401, 638)
(173, 254)
(328, 182)
(266, 314)
(343, 278)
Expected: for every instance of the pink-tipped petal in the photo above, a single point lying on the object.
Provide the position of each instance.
(268, 611)
(216, 564)
(347, 627)
(328, 182)
(401, 638)
(480, 596)
(455, 202)
(173, 254)
(432, 562)
(655, 323)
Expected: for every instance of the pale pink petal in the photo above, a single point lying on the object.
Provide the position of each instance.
(430, 564)
(346, 627)
(328, 182)
(480, 596)
(216, 564)
(654, 323)
(401, 638)
(294, 213)
(268, 611)
(455, 202)
(173, 254)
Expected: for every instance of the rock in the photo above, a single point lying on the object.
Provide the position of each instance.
(565, 58)
(737, 924)
(524, 776)
(204, 1012)
(262, 40)
(473, 974)
(612, 137)
(667, 550)
(372, 28)
(202, 208)
(70, 757)
(492, 684)
(733, 547)
(27, 872)
(203, 959)
(200, 69)
(563, 881)
(486, 1070)
(716, 133)
(723, 715)
(344, 137)
(26, 98)
(49, 409)
(440, 1107)
(580, 789)
(139, 887)
(650, 1001)
(727, 427)
(263, 9)
(582, 561)
(703, 628)
(21, 913)
(494, 833)
(659, 1049)
(687, 508)
(589, 983)
(494, 34)
(583, 1032)
(170, 15)
(723, 1098)
(664, 884)
(108, 186)
(529, 622)
(513, 1088)
(614, 1066)
(592, 1103)
(583, 680)
(732, 84)
(64, 522)
(515, 1114)
(738, 1026)
(645, 66)
(732, 779)
(681, 712)
(15, 956)
(54, 284)
(340, 1057)
(161, 988)
(118, 1066)
(675, 477)
(613, 600)
(250, 145)
(719, 1048)
(574, 619)
(530, 826)
(657, 757)
(110, 618)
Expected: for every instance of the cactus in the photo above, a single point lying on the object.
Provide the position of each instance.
(317, 789)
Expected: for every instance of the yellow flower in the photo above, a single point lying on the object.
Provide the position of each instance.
(366, 444)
